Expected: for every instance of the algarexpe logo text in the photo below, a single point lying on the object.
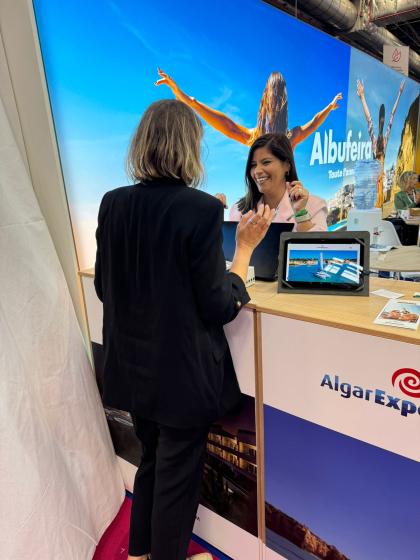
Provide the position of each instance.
(375, 396)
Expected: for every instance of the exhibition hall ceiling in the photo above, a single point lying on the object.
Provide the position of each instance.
(365, 24)
(408, 32)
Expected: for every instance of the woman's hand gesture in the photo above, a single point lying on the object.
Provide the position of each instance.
(253, 227)
(360, 89)
(222, 198)
(298, 195)
(334, 103)
(165, 79)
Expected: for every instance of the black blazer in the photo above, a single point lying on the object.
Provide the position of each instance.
(160, 272)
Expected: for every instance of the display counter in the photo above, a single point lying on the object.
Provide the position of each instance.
(348, 313)
(339, 409)
(323, 459)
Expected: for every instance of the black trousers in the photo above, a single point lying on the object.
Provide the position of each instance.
(166, 489)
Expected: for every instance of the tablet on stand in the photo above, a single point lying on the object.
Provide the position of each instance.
(324, 263)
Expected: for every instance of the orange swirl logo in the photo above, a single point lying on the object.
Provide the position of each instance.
(408, 380)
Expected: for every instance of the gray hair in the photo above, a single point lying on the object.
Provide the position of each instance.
(167, 143)
(404, 178)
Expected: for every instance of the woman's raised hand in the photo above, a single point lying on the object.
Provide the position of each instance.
(253, 227)
(165, 79)
(334, 103)
(360, 89)
(298, 195)
(250, 231)
(222, 198)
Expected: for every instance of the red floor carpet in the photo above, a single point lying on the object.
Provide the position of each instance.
(114, 543)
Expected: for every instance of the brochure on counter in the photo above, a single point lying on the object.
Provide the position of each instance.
(400, 313)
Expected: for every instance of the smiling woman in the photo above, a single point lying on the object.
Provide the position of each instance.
(272, 179)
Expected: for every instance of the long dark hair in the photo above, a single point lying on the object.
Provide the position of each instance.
(380, 139)
(272, 113)
(280, 146)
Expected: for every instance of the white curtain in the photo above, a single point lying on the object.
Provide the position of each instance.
(59, 479)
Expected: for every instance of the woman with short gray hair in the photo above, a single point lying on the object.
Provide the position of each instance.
(408, 197)
(161, 274)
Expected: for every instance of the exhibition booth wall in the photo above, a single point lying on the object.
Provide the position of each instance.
(273, 473)
(101, 62)
(23, 90)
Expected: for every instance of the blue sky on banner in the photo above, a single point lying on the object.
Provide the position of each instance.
(101, 60)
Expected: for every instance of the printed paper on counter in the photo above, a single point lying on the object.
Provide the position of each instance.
(400, 313)
(387, 294)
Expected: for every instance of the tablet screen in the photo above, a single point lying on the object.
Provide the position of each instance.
(323, 264)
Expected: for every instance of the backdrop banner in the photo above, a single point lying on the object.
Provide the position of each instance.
(337, 105)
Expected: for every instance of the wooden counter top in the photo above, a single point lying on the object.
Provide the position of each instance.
(344, 312)
(260, 292)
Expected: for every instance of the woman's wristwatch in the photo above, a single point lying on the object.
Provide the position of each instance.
(302, 216)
